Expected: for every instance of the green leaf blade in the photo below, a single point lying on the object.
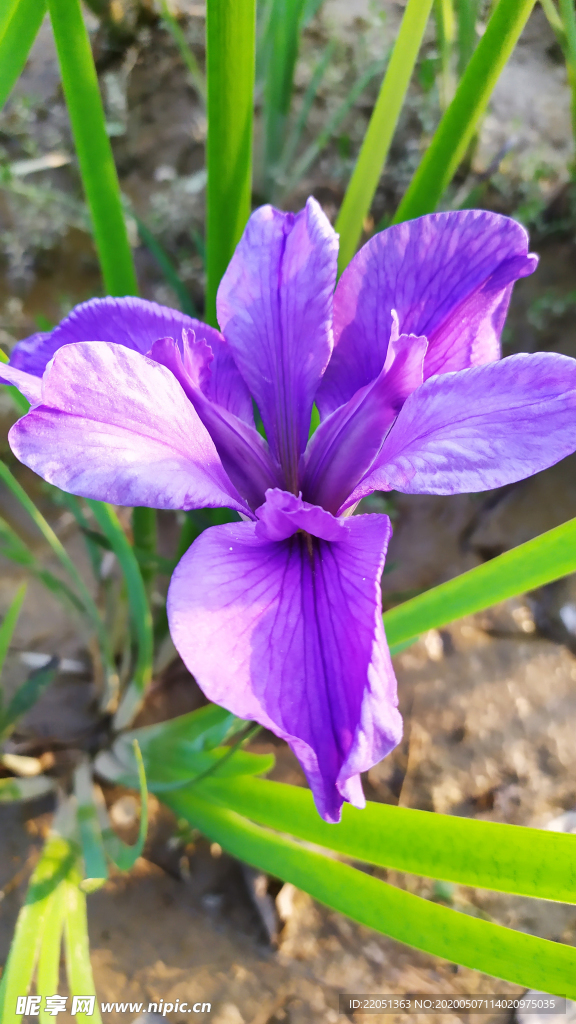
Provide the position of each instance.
(484, 854)
(378, 138)
(457, 127)
(495, 950)
(19, 25)
(97, 167)
(230, 63)
(530, 565)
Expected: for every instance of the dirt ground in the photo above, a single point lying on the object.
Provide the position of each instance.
(489, 704)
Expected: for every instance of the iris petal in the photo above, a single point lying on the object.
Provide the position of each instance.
(449, 277)
(290, 634)
(275, 309)
(115, 426)
(480, 428)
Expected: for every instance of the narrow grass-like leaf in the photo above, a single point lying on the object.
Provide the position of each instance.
(169, 271)
(467, 15)
(19, 24)
(26, 696)
(137, 598)
(145, 536)
(77, 947)
(307, 158)
(14, 548)
(230, 42)
(9, 625)
(171, 23)
(283, 37)
(295, 134)
(93, 146)
(554, 20)
(485, 854)
(376, 144)
(48, 973)
(498, 951)
(62, 555)
(56, 861)
(95, 868)
(446, 36)
(457, 127)
(530, 565)
(125, 856)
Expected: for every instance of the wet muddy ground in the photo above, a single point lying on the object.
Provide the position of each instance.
(489, 703)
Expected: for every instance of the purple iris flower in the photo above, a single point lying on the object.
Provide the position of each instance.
(279, 617)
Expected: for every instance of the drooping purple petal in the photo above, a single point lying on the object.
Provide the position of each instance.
(137, 324)
(480, 428)
(448, 276)
(245, 455)
(27, 383)
(275, 309)
(345, 444)
(290, 633)
(115, 426)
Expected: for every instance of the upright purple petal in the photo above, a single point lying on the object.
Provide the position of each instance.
(448, 276)
(27, 383)
(137, 324)
(345, 444)
(290, 634)
(480, 428)
(275, 309)
(245, 455)
(115, 426)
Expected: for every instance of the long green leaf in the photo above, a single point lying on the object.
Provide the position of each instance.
(93, 146)
(230, 42)
(9, 625)
(171, 23)
(26, 696)
(501, 952)
(62, 555)
(19, 24)
(530, 565)
(167, 268)
(77, 947)
(137, 598)
(332, 124)
(376, 144)
(56, 861)
(457, 127)
(282, 51)
(145, 536)
(48, 973)
(485, 854)
(95, 868)
(14, 548)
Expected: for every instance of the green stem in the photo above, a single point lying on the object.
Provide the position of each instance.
(230, 46)
(93, 146)
(378, 138)
(19, 24)
(457, 127)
